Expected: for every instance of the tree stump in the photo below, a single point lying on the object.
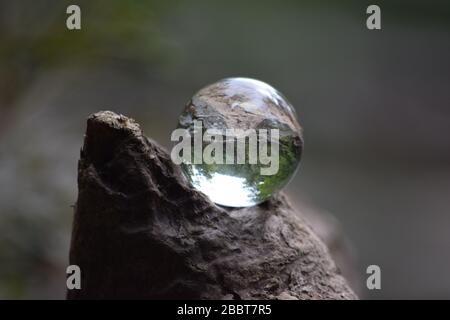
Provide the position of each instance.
(141, 231)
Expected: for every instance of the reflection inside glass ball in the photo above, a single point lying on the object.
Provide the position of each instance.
(239, 141)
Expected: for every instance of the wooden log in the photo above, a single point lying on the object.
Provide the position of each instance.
(141, 231)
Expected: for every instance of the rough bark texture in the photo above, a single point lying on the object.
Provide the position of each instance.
(140, 231)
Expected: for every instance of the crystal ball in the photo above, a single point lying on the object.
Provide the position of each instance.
(238, 141)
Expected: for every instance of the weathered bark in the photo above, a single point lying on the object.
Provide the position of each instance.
(140, 231)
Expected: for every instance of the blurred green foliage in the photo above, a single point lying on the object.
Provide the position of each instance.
(33, 33)
(34, 37)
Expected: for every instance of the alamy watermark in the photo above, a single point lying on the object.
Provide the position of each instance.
(73, 281)
(373, 21)
(73, 21)
(227, 146)
(373, 281)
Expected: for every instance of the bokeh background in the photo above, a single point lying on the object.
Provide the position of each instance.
(375, 107)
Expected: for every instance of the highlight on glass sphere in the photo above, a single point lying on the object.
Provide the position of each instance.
(241, 141)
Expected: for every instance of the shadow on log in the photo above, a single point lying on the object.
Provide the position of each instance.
(140, 231)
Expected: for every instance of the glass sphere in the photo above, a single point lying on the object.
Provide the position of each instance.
(244, 141)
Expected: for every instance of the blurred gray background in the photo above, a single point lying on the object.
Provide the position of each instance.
(375, 107)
